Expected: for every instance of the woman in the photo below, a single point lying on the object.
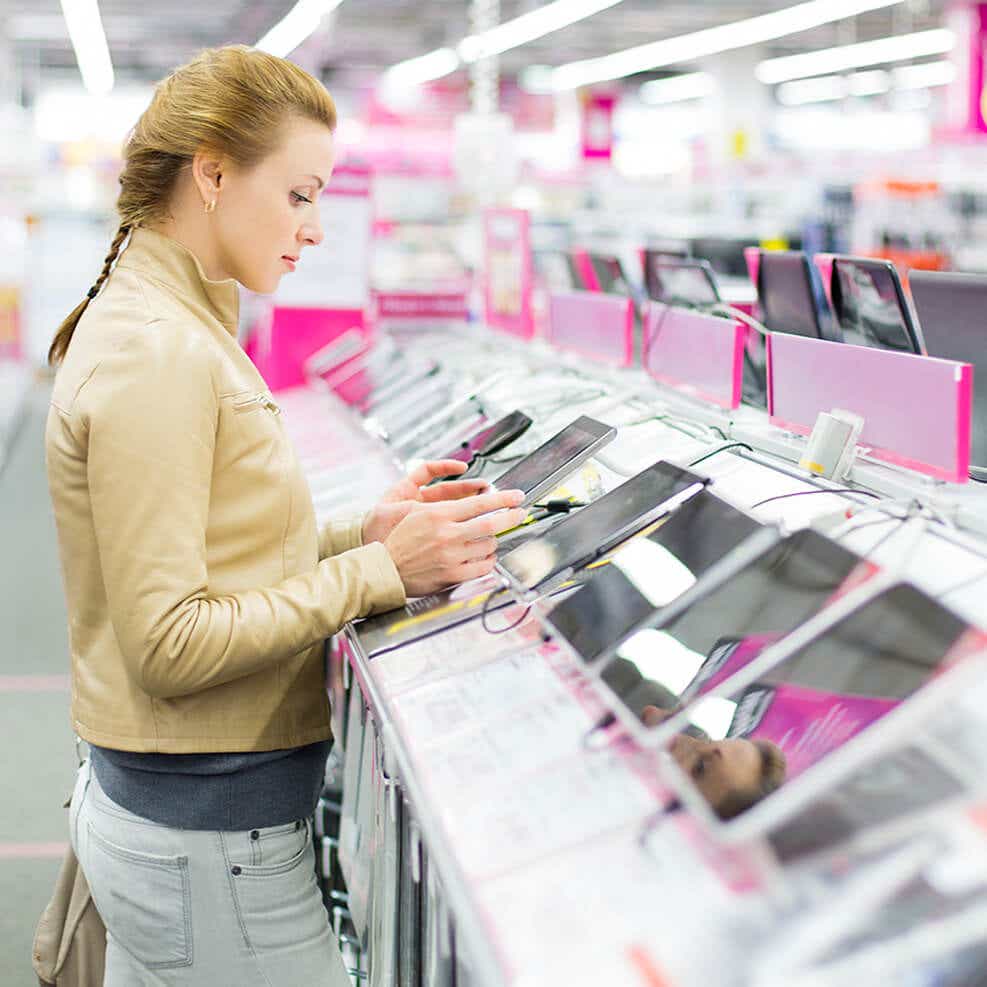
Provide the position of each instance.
(199, 590)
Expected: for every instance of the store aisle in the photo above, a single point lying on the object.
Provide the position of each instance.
(37, 766)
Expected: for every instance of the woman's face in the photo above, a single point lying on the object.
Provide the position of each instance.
(266, 215)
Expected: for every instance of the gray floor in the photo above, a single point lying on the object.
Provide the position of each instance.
(38, 762)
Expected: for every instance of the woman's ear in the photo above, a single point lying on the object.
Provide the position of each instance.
(207, 173)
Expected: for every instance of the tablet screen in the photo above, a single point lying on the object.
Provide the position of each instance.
(785, 293)
(869, 305)
(682, 283)
(665, 666)
(648, 572)
(554, 455)
(493, 435)
(812, 703)
(581, 535)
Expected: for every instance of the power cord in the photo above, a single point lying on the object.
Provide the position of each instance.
(808, 493)
(485, 613)
(716, 452)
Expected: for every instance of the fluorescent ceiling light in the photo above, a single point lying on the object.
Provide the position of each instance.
(694, 85)
(529, 27)
(510, 34)
(298, 24)
(415, 71)
(712, 41)
(829, 60)
(924, 76)
(823, 88)
(536, 79)
(89, 41)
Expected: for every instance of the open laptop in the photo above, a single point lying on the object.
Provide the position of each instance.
(685, 283)
(952, 311)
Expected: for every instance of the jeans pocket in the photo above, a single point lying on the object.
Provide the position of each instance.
(279, 903)
(144, 900)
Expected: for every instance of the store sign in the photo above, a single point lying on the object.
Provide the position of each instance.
(446, 305)
(966, 101)
(508, 273)
(597, 126)
(916, 409)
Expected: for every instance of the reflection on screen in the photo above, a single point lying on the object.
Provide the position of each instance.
(723, 630)
(609, 276)
(786, 296)
(550, 457)
(580, 535)
(683, 284)
(817, 700)
(869, 307)
(649, 572)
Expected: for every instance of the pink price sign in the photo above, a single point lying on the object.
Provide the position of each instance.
(916, 409)
(414, 305)
(508, 272)
(699, 355)
(599, 327)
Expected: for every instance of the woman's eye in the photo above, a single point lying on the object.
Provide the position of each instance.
(298, 197)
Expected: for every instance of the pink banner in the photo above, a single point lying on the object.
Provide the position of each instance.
(966, 97)
(597, 326)
(916, 409)
(698, 354)
(508, 272)
(422, 305)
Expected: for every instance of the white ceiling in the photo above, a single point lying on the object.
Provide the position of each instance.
(148, 37)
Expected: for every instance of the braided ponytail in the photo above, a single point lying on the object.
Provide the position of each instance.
(60, 344)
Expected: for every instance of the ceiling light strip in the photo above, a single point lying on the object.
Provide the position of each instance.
(830, 60)
(712, 41)
(299, 24)
(88, 38)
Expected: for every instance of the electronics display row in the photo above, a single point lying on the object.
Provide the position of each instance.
(655, 676)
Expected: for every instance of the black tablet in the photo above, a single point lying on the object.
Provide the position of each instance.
(591, 531)
(786, 295)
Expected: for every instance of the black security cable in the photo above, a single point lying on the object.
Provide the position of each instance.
(716, 452)
(807, 493)
(485, 613)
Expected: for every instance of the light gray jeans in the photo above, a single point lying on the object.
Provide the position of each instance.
(195, 908)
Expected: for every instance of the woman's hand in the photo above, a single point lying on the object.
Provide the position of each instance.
(441, 544)
(414, 491)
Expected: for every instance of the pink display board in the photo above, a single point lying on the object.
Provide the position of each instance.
(916, 409)
(698, 354)
(597, 326)
(508, 272)
(280, 348)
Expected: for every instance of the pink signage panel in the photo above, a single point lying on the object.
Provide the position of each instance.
(422, 305)
(508, 272)
(916, 409)
(698, 354)
(597, 326)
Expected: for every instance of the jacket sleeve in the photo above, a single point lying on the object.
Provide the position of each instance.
(152, 411)
(340, 536)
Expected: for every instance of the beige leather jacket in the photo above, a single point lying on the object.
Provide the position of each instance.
(199, 590)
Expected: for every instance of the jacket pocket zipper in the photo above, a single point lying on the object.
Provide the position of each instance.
(246, 404)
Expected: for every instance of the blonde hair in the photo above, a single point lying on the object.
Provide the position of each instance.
(232, 100)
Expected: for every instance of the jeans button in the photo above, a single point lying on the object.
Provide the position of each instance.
(236, 869)
(254, 834)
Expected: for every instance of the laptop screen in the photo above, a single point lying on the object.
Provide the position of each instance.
(870, 306)
(785, 291)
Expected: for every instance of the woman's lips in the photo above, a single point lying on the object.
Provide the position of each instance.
(290, 261)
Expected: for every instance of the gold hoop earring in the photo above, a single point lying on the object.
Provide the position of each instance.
(211, 205)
